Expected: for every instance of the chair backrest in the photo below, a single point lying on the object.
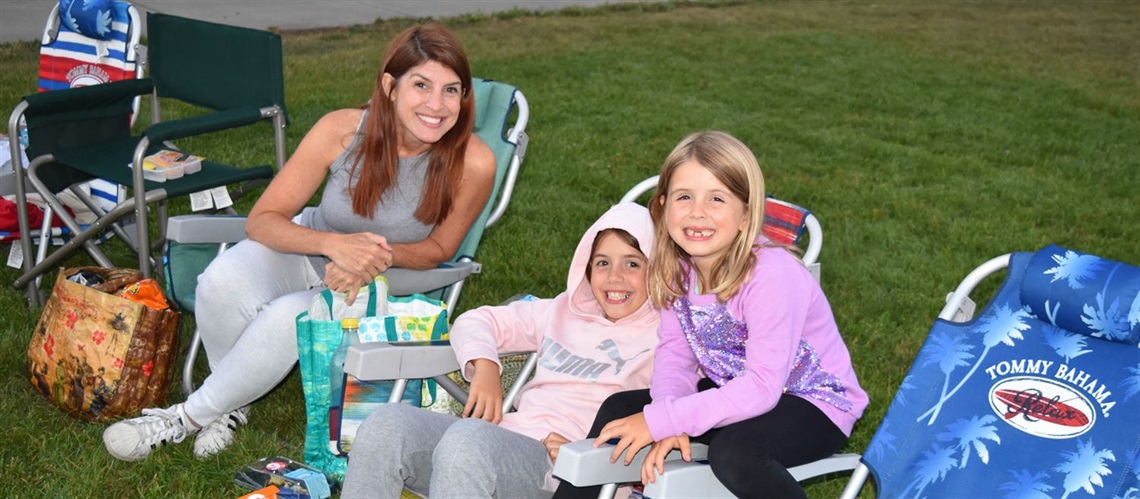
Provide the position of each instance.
(214, 65)
(494, 104)
(1039, 396)
(88, 43)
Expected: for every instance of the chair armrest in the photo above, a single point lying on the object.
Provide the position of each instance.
(687, 479)
(408, 360)
(191, 229)
(403, 282)
(206, 123)
(581, 464)
(958, 304)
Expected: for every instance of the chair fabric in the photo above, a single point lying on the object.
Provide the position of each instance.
(1039, 396)
(493, 104)
(87, 130)
(214, 65)
(784, 222)
(75, 58)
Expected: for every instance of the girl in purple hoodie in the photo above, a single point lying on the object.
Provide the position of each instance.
(593, 340)
(750, 361)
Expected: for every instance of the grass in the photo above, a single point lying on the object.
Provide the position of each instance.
(927, 136)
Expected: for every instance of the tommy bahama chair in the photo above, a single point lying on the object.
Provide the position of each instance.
(1038, 396)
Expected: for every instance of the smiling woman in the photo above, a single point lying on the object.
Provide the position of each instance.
(405, 180)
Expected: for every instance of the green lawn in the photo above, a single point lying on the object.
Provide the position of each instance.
(927, 137)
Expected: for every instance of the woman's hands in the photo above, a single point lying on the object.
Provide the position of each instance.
(632, 433)
(485, 401)
(553, 442)
(655, 460)
(356, 259)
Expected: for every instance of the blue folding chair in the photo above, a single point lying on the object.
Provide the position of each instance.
(1039, 396)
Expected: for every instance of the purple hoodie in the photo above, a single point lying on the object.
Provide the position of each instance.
(777, 334)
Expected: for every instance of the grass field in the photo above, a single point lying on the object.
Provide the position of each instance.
(928, 137)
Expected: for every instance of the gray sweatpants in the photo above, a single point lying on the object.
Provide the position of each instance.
(246, 306)
(442, 456)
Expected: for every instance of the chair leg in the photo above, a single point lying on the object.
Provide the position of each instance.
(191, 359)
(608, 491)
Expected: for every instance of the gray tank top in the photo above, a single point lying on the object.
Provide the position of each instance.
(393, 217)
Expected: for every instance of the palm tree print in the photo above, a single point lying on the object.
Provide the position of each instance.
(1106, 323)
(883, 442)
(1066, 344)
(1075, 268)
(1134, 312)
(1027, 485)
(972, 434)
(1131, 384)
(1084, 468)
(1003, 326)
(933, 466)
(1131, 493)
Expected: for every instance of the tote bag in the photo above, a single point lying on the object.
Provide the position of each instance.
(98, 355)
(318, 337)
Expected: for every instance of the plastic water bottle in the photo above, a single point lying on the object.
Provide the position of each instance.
(348, 338)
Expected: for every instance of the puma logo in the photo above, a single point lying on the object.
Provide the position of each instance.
(611, 350)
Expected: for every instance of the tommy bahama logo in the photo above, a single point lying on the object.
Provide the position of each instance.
(87, 74)
(1042, 407)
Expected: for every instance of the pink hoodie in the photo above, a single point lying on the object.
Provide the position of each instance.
(583, 357)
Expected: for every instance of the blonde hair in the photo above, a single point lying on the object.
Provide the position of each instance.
(734, 165)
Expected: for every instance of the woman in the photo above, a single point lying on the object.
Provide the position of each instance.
(405, 180)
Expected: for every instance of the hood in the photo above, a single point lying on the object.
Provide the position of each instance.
(632, 218)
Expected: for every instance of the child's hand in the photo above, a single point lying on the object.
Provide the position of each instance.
(485, 401)
(655, 460)
(553, 442)
(632, 433)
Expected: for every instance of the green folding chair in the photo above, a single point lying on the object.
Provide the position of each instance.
(193, 241)
(233, 74)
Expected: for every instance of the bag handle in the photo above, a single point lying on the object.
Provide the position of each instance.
(370, 310)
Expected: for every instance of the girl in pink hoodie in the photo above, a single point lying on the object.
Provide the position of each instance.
(593, 340)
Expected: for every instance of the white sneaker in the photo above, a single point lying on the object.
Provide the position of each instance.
(134, 439)
(219, 434)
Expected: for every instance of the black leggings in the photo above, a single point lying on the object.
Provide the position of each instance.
(751, 457)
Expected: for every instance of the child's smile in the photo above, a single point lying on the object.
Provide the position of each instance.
(618, 277)
(703, 216)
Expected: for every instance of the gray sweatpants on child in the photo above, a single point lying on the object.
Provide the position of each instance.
(442, 456)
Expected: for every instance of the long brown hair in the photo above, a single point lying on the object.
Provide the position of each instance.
(734, 165)
(377, 156)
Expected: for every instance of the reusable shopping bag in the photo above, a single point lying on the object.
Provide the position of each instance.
(318, 336)
(104, 349)
(414, 318)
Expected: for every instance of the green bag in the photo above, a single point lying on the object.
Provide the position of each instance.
(318, 336)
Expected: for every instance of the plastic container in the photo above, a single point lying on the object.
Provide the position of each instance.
(168, 165)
